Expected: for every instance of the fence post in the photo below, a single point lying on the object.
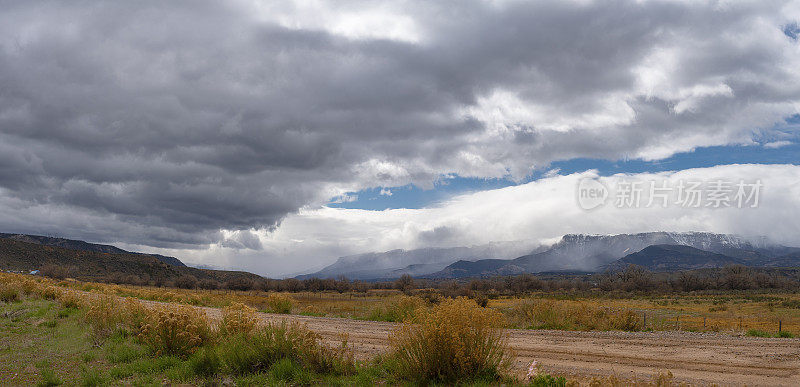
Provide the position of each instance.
(780, 323)
(704, 322)
(644, 317)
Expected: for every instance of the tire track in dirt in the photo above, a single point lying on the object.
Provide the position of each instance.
(696, 358)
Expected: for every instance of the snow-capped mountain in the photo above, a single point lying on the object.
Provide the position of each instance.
(580, 252)
(573, 252)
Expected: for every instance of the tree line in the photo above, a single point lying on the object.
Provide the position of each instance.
(631, 279)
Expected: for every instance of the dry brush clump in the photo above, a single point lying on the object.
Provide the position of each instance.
(279, 303)
(108, 314)
(13, 284)
(571, 315)
(175, 330)
(70, 299)
(49, 292)
(456, 340)
(8, 292)
(258, 350)
(237, 319)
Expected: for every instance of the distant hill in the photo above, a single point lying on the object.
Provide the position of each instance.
(481, 268)
(83, 246)
(417, 262)
(596, 252)
(788, 260)
(100, 265)
(674, 258)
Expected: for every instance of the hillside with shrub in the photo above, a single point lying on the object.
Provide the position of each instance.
(131, 268)
(73, 244)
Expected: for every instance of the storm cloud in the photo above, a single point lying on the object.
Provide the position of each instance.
(187, 123)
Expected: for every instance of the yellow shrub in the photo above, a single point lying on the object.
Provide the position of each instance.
(8, 292)
(237, 318)
(175, 329)
(279, 303)
(456, 340)
(28, 286)
(49, 292)
(135, 314)
(104, 315)
(70, 299)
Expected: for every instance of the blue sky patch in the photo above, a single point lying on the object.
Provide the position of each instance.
(780, 146)
(791, 30)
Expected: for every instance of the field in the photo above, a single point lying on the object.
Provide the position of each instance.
(733, 312)
(48, 332)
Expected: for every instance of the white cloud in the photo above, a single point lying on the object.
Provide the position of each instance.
(355, 20)
(777, 144)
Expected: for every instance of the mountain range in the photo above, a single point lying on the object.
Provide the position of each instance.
(657, 251)
(418, 262)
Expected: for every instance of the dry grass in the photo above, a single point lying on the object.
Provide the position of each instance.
(572, 315)
(398, 309)
(730, 312)
(456, 340)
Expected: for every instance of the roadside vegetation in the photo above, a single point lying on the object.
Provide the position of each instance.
(94, 339)
(630, 300)
(70, 332)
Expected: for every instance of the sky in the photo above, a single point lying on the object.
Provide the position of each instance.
(277, 136)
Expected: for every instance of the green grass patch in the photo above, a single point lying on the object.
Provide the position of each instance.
(545, 380)
(757, 333)
(760, 333)
(92, 377)
(48, 378)
(206, 362)
(66, 312)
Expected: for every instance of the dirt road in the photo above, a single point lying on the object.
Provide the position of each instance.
(697, 358)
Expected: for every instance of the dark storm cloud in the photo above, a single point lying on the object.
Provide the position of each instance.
(162, 123)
